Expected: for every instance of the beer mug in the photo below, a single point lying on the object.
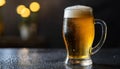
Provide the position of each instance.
(78, 34)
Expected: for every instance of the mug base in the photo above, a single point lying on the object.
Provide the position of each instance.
(80, 62)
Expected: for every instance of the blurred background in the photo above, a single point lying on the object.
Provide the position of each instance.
(50, 19)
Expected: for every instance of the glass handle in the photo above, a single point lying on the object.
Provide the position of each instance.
(103, 36)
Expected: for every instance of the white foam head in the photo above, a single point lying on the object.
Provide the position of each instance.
(77, 11)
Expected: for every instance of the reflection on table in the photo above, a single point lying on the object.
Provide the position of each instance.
(36, 58)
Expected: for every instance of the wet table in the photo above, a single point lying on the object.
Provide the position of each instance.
(36, 58)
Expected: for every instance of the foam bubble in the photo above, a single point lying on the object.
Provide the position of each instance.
(77, 11)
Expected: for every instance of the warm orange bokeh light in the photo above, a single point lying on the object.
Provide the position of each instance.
(2, 2)
(25, 13)
(20, 8)
(34, 6)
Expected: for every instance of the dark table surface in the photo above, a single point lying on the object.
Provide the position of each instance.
(37, 58)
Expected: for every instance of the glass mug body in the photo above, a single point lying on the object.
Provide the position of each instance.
(78, 35)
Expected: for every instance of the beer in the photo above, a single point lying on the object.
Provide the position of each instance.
(78, 32)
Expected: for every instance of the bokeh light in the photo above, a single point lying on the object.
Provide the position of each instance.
(34, 6)
(20, 8)
(25, 12)
(2, 2)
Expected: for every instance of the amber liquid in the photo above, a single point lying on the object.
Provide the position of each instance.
(78, 34)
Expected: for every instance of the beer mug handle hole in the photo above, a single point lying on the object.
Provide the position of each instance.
(103, 36)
